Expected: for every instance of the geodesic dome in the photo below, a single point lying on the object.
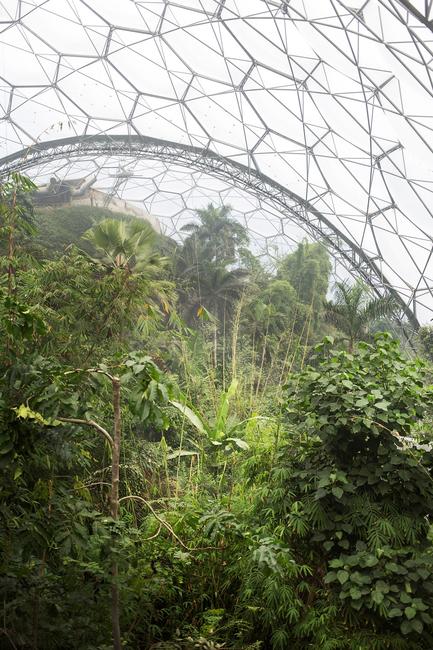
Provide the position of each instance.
(305, 115)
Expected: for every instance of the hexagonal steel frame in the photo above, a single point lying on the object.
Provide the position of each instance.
(319, 108)
(289, 204)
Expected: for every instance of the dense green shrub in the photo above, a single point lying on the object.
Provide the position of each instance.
(425, 341)
(352, 495)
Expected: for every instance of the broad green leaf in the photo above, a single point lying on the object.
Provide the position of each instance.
(342, 576)
(377, 597)
(330, 577)
(394, 612)
(180, 453)
(410, 612)
(406, 627)
(417, 626)
(355, 593)
(224, 405)
(193, 417)
(382, 586)
(239, 443)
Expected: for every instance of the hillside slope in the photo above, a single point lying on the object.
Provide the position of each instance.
(57, 228)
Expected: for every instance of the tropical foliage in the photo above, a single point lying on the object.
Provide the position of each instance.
(353, 310)
(190, 459)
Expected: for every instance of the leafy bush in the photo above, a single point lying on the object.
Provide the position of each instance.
(352, 495)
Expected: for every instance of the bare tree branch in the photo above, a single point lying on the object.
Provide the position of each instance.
(89, 423)
(168, 527)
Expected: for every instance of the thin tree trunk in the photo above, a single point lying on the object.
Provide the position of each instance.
(11, 271)
(265, 344)
(253, 368)
(272, 365)
(10, 260)
(224, 348)
(289, 347)
(115, 472)
(215, 347)
(304, 354)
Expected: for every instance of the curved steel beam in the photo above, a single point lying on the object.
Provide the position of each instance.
(423, 17)
(281, 198)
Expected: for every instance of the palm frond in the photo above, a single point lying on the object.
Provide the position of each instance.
(124, 244)
(353, 309)
(379, 308)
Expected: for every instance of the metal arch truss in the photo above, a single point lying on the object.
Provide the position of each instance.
(425, 15)
(320, 109)
(287, 203)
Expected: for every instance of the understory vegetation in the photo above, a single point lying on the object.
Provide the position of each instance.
(201, 448)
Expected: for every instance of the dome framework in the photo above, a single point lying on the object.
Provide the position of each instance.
(304, 115)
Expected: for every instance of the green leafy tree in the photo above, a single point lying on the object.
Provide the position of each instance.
(207, 265)
(97, 300)
(217, 292)
(425, 341)
(353, 311)
(60, 539)
(351, 493)
(272, 310)
(210, 275)
(16, 218)
(308, 269)
(57, 541)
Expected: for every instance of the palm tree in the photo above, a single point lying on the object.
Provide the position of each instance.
(205, 265)
(127, 251)
(308, 269)
(209, 272)
(218, 289)
(353, 310)
(127, 245)
(216, 235)
(271, 310)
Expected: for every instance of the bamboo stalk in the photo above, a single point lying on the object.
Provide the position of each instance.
(115, 472)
